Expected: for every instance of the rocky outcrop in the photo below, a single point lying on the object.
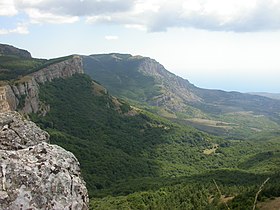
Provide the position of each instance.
(176, 91)
(33, 173)
(23, 95)
(17, 133)
(4, 105)
(10, 50)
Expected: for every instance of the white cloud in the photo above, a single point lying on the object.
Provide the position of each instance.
(100, 18)
(216, 15)
(154, 15)
(136, 26)
(111, 37)
(77, 7)
(7, 8)
(20, 29)
(38, 16)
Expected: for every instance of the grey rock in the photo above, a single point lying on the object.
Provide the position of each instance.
(23, 95)
(37, 175)
(62, 69)
(17, 133)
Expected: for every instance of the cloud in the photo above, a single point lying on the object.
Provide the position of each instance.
(38, 16)
(213, 15)
(153, 15)
(20, 29)
(111, 37)
(77, 7)
(7, 8)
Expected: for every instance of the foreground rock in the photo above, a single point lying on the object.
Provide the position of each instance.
(35, 174)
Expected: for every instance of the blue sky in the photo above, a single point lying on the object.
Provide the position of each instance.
(217, 44)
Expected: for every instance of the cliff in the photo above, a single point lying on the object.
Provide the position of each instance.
(35, 174)
(141, 79)
(174, 88)
(23, 95)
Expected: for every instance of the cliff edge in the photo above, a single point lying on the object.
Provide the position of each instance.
(35, 174)
(23, 95)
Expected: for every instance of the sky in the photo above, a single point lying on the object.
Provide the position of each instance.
(232, 45)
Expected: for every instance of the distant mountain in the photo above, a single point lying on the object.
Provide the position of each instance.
(141, 79)
(146, 81)
(9, 50)
(268, 95)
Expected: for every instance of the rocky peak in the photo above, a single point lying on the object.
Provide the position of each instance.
(10, 50)
(35, 174)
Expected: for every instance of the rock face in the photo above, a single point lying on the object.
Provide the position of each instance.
(174, 87)
(33, 173)
(10, 50)
(23, 95)
(17, 133)
(142, 79)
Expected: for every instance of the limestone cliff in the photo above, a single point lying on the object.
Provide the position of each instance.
(35, 174)
(23, 95)
(174, 87)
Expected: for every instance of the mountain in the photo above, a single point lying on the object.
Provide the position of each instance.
(268, 95)
(34, 173)
(17, 63)
(140, 79)
(113, 140)
(8, 50)
(145, 81)
(22, 93)
(133, 158)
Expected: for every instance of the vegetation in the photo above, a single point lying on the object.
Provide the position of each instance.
(110, 145)
(133, 158)
(146, 83)
(144, 161)
(14, 67)
(122, 82)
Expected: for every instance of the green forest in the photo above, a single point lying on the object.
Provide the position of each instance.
(133, 159)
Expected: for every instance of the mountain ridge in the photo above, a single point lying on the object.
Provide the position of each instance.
(143, 80)
(23, 93)
(267, 94)
(10, 50)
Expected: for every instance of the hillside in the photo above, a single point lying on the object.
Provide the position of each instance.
(146, 82)
(16, 63)
(8, 50)
(124, 150)
(268, 95)
(133, 158)
(113, 141)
